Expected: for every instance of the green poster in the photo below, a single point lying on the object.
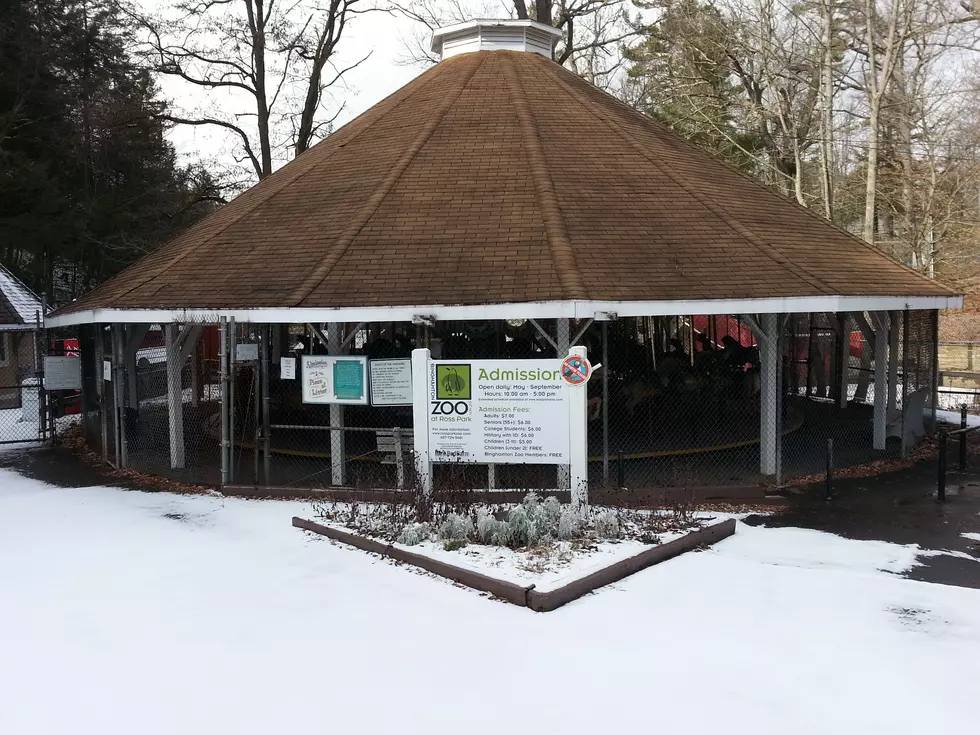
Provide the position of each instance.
(453, 382)
(348, 380)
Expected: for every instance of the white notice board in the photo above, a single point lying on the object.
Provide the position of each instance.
(246, 352)
(62, 373)
(498, 412)
(335, 379)
(391, 382)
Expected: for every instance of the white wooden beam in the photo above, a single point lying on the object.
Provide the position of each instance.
(515, 310)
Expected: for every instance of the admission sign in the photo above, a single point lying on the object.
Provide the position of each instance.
(498, 412)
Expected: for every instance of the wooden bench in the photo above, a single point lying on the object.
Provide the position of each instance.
(396, 446)
(907, 423)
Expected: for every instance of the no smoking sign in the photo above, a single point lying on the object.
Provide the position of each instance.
(576, 370)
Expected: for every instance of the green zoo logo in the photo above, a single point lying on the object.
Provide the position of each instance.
(453, 382)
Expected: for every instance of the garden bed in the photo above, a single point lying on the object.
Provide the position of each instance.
(538, 553)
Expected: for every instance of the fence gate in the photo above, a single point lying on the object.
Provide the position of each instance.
(22, 402)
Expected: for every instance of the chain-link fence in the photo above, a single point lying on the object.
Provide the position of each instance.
(22, 414)
(679, 402)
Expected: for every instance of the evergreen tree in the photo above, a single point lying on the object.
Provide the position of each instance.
(88, 182)
(681, 75)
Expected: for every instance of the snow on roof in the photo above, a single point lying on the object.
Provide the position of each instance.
(19, 305)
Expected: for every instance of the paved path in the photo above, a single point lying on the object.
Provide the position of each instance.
(901, 507)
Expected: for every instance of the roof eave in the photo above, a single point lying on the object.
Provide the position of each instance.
(570, 309)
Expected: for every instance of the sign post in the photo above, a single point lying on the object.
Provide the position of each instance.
(420, 418)
(578, 423)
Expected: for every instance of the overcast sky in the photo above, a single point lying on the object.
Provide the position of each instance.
(386, 37)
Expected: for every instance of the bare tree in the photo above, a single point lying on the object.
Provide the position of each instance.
(274, 58)
(593, 30)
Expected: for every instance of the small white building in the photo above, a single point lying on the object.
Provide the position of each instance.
(20, 315)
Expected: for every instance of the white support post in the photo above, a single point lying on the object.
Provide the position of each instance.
(768, 337)
(893, 333)
(175, 397)
(420, 418)
(562, 343)
(880, 320)
(578, 437)
(337, 444)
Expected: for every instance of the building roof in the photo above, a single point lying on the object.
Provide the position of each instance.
(19, 306)
(499, 177)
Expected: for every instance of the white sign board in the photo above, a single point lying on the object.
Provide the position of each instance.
(335, 379)
(498, 412)
(287, 368)
(62, 373)
(107, 370)
(391, 382)
(246, 352)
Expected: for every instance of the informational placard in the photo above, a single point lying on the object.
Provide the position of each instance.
(246, 352)
(287, 368)
(62, 373)
(498, 412)
(107, 371)
(334, 379)
(391, 382)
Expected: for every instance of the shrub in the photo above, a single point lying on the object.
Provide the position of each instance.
(549, 517)
(523, 529)
(456, 527)
(607, 525)
(454, 544)
(414, 534)
(569, 525)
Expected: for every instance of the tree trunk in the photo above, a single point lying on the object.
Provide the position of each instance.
(827, 107)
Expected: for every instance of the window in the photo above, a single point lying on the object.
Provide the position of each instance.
(4, 347)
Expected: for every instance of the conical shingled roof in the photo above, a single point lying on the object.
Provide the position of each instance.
(501, 177)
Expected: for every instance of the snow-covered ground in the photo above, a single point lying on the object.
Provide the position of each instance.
(125, 612)
(14, 428)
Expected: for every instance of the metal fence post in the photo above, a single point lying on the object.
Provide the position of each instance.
(962, 446)
(266, 421)
(223, 380)
(605, 402)
(830, 468)
(39, 340)
(232, 370)
(119, 393)
(941, 485)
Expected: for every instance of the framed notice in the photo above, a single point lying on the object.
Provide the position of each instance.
(391, 382)
(334, 379)
(62, 373)
(107, 371)
(287, 368)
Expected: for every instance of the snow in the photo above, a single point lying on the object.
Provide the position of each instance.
(124, 612)
(971, 536)
(953, 417)
(13, 427)
(21, 298)
(519, 566)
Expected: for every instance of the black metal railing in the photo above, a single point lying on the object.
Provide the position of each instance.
(961, 434)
